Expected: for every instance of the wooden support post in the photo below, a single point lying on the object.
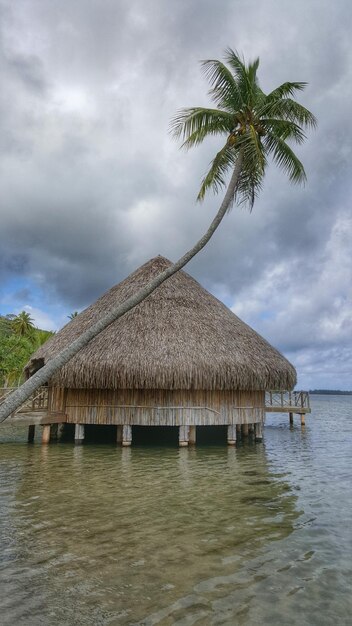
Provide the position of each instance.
(251, 429)
(79, 434)
(232, 434)
(303, 419)
(119, 434)
(60, 431)
(192, 435)
(46, 434)
(238, 431)
(259, 431)
(245, 430)
(53, 432)
(126, 435)
(183, 435)
(291, 418)
(31, 433)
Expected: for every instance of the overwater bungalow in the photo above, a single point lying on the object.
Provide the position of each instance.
(180, 359)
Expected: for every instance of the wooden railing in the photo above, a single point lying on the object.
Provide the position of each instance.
(297, 401)
(38, 401)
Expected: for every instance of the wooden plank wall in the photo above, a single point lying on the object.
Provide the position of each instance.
(57, 399)
(159, 407)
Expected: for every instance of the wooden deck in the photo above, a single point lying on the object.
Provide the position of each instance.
(36, 418)
(34, 412)
(38, 401)
(287, 402)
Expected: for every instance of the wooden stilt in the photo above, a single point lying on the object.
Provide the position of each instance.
(291, 419)
(126, 435)
(245, 430)
(119, 434)
(238, 431)
(183, 435)
(251, 429)
(53, 432)
(46, 434)
(259, 431)
(231, 434)
(192, 435)
(79, 434)
(60, 431)
(31, 433)
(303, 419)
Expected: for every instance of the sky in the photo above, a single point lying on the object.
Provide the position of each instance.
(92, 185)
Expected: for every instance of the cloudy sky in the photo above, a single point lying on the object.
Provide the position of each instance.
(92, 185)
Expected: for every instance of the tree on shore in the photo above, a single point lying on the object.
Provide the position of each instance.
(5, 324)
(17, 342)
(14, 354)
(40, 337)
(256, 126)
(22, 324)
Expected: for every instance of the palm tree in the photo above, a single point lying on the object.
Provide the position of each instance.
(72, 315)
(22, 324)
(256, 127)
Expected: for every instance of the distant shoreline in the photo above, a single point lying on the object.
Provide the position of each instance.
(329, 392)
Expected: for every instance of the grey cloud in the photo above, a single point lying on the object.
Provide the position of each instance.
(92, 185)
(30, 71)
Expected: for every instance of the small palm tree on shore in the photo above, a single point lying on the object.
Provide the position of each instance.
(256, 127)
(22, 324)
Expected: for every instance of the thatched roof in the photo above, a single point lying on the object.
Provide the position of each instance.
(180, 337)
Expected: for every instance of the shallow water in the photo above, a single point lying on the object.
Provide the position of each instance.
(261, 534)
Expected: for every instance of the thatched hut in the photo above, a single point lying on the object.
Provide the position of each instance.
(180, 358)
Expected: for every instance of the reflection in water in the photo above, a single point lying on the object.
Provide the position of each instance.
(107, 533)
(99, 535)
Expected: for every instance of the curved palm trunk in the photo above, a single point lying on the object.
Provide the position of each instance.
(20, 395)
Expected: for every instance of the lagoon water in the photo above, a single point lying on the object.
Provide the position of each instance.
(103, 536)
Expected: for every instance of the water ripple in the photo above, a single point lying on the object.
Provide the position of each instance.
(99, 535)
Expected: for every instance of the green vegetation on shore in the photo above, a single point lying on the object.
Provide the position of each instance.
(18, 340)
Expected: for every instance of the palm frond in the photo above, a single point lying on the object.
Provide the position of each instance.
(288, 109)
(285, 90)
(253, 170)
(215, 177)
(285, 158)
(252, 80)
(224, 91)
(195, 124)
(246, 77)
(249, 187)
(236, 63)
(284, 129)
(257, 146)
(252, 70)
